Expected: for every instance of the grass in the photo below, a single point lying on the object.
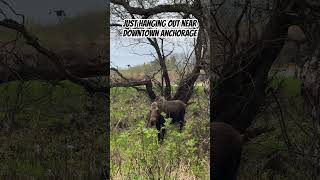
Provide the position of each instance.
(290, 86)
(131, 140)
(55, 130)
(256, 157)
(49, 131)
(135, 151)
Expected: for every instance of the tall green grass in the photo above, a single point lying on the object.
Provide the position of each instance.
(51, 130)
(135, 151)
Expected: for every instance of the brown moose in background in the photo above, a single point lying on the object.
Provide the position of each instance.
(226, 147)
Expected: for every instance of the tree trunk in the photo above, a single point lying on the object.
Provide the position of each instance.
(186, 85)
(165, 77)
(240, 90)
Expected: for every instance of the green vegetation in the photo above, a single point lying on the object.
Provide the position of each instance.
(135, 151)
(268, 156)
(51, 130)
(54, 130)
(289, 86)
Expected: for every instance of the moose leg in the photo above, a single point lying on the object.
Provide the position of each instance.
(160, 137)
(161, 130)
(181, 121)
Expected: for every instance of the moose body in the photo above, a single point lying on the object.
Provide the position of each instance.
(174, 109)
(226, 151)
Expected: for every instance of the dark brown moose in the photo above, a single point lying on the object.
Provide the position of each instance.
(174, 109)
(225, 152)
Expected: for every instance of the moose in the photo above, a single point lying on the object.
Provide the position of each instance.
(174, 109)
(156, 119)
(226, 147)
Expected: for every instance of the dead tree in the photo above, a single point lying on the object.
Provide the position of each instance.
(240, 88)
(186, 84)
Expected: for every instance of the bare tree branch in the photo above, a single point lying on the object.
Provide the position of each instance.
(186, 8)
